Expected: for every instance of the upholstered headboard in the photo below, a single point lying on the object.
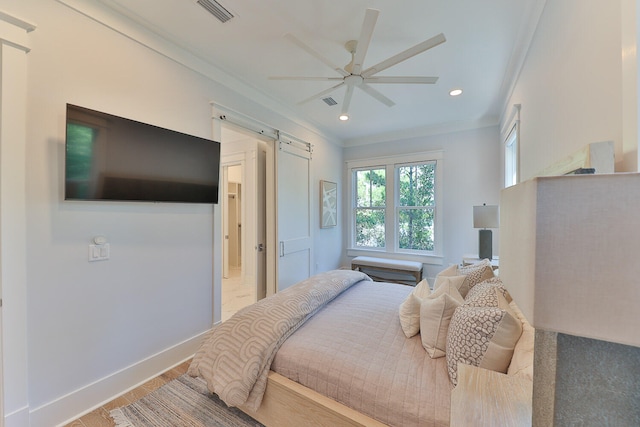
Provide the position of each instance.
(569, 250)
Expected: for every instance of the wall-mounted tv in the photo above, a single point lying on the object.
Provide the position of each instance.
(112, 158)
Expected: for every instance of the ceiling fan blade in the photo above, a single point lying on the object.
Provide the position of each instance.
(404, 55)
(347, 100)
(321, 94)
(315, 54)
(377, 95)
(317, 79)
(400, 79)
(366, 34)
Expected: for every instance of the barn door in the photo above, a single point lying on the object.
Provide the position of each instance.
(295, 250)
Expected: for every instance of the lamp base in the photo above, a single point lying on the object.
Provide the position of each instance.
(485, 241)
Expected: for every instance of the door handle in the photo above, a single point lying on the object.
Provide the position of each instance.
(281, 249)
(260, 247)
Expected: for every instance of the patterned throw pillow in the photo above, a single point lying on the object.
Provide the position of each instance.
(410, 309)
(435, 314)
(476, 273)
(482, 336)
(489, 286)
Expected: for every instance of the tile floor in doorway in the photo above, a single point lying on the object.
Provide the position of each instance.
(235, 293)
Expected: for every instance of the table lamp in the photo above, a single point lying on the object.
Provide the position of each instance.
(485, 217)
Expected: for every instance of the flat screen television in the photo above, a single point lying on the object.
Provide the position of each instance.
(112, 158)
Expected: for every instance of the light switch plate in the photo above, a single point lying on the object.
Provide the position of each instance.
(98, 252)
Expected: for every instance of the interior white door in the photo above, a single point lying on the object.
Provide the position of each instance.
(295, 250)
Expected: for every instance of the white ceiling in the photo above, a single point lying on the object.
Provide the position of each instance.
(485, 41)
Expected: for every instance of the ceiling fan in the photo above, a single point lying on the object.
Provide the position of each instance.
(353, 75)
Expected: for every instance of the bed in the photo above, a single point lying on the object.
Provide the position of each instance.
(335, 355)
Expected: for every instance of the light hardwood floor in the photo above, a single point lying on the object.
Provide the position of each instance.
(100, 417)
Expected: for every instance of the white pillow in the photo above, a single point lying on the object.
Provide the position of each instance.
(449, 281)
(435, 314)
(522, 359)
(410, 309)
(452, 270)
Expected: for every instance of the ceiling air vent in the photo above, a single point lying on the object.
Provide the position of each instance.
(216, 9)
(330, 101)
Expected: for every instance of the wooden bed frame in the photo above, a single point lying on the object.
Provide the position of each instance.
(289, 404)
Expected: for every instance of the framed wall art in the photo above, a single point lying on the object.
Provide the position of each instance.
(328, 204)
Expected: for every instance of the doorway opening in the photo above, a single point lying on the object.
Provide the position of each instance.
(243, 207)
(237, 292)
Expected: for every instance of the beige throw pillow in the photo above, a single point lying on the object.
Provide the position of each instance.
(435, 314)
(452, 270)
(522, 359)
(482, 336)
(449, 281)
(410, 309)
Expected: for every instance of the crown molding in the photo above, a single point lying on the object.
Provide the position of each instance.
(137, 31)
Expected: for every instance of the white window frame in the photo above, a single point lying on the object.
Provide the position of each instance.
(510, 137)
(511, 158)
(391, 248)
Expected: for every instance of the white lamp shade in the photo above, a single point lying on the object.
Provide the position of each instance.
(486, 216)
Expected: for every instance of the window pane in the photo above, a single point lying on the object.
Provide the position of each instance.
(511, 158)
(370, 188)
(417, 184)
(370, 228)
(415, 229)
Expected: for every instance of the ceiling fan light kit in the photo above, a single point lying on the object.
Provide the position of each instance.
(352, 75)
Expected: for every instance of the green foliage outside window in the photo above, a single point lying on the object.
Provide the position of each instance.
(416, 186)
(370, 205)
(414, 218)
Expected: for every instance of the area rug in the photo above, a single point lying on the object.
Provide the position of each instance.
(183, 402)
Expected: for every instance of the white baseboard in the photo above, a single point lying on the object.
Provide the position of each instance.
(79, 402)
(19, 418)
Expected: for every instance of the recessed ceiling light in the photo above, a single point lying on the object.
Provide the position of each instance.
(455, 92)
(344, 117)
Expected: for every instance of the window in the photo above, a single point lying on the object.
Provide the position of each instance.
(416, 207)
(395, 204)
(511, 158)
(510, 135)
(370, 207)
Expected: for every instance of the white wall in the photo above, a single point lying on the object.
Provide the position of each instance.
(327, 164)
(95, 329)
(13, 225)
(571, 84)
(471, 177)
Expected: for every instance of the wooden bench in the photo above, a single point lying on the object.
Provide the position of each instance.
(368, 264)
